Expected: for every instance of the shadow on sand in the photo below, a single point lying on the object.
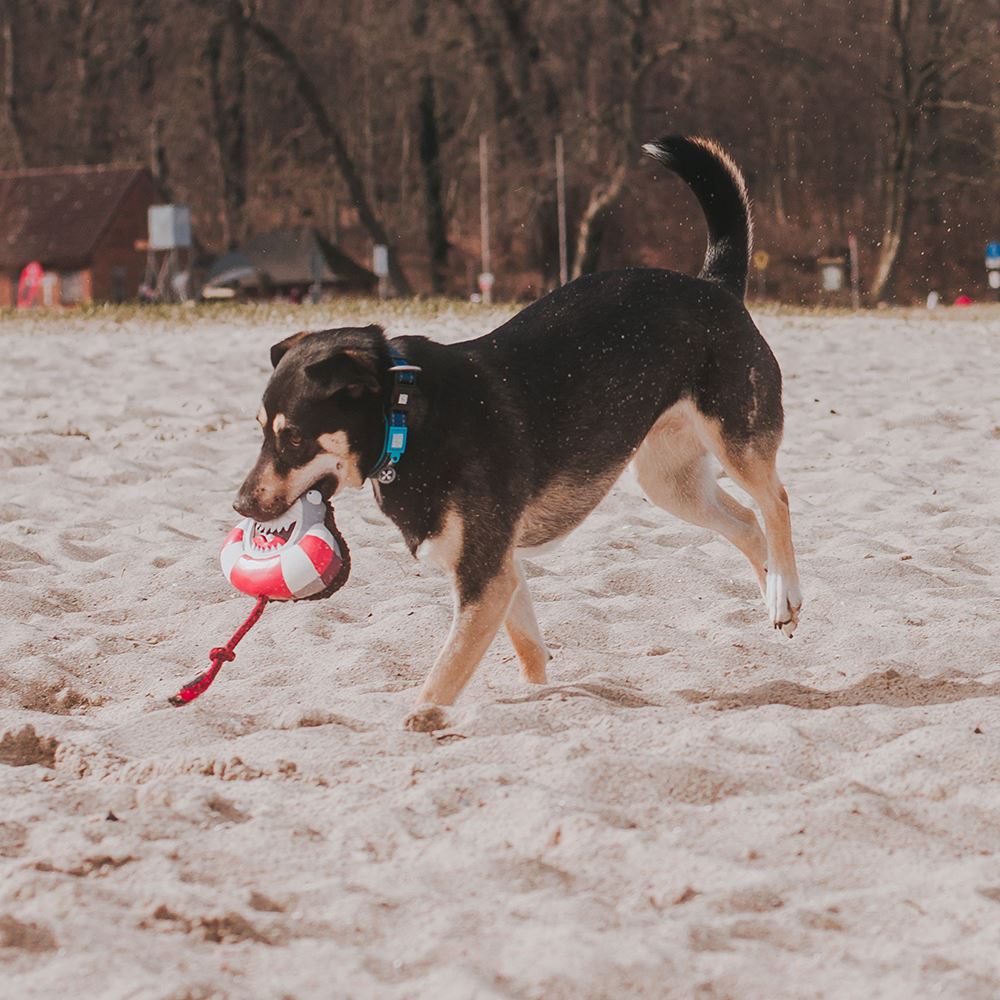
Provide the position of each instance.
(888, 688)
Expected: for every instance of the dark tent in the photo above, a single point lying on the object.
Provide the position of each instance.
(289, 261)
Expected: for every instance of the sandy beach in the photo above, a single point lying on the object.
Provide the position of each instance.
(694, 806)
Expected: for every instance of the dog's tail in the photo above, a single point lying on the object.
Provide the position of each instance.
(719, 186)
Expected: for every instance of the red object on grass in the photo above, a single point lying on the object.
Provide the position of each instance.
(218, 656)
(29, 285)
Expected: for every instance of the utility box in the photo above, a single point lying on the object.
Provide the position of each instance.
(833, 273)
(169, 227)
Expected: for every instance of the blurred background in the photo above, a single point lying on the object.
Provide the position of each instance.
(298, 136)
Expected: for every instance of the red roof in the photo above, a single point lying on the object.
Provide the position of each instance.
(57, 215)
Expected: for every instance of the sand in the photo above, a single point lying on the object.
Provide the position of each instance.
(695, 806)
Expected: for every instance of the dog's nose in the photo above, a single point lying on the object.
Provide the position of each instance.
(246, 506)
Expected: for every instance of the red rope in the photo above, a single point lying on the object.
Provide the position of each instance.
(218, 656)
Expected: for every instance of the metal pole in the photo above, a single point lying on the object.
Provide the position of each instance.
(484, 216)
(561, 202)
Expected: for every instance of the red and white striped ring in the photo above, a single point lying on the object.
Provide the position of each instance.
(303, 565)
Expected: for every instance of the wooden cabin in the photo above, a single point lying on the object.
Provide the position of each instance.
(82, 225)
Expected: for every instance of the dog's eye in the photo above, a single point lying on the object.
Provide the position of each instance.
(294, 441)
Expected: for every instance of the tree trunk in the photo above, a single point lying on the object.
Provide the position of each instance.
(509, 106)
(898, 186)
(229, 118)
(430, 165)
(429, 155)
(590, 229)
(898, 203)
(933, 194)
(145, 23)
(158, 164)
(10, 127)
(310, 96)
(602, 195)
(92, 105)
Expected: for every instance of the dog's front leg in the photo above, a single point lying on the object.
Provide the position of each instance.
(475, 624)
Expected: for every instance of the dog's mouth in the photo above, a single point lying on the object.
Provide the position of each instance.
(271, 535)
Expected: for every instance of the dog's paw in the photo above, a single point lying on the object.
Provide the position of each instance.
(784, 602)
(426, 719)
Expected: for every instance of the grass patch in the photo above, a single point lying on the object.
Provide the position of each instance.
(339, 312)
(137, 318)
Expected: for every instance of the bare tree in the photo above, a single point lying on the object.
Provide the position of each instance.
(11, 125)
(229, 116)
(332, 135)
(926, 40)
(429, 152)
(872, 117)
(93, 59)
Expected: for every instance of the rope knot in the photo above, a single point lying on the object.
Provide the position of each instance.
(218, 656)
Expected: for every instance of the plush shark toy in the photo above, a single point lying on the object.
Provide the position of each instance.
(299, 556)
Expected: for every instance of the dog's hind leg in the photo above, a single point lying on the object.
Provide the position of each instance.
(523, 631)
(676, 472)
(752, 466)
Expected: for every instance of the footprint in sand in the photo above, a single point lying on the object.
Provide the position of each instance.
(13, 839)
(230, 928)
(26, 937)
(12, 512)
(26, 747)
(81, 553)
(19, 458)
(55, 699)
(755, 900)
(264, 904)
(611, 693)
(12, 553)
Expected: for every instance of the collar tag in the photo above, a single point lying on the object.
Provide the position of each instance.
(396, 444)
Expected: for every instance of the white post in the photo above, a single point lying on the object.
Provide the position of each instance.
(561, 202)
(485, 283)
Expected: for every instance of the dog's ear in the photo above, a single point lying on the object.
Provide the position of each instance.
(281, 349)
(347, 368)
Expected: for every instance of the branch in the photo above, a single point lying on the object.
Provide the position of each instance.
(983, 109)
(332, 135)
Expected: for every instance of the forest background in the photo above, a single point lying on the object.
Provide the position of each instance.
(872, 118)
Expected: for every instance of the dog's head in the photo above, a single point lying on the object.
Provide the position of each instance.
(322, 418)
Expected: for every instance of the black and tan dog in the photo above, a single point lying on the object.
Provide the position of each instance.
(516, 436)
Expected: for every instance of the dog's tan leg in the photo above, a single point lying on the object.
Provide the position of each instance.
(784, 593)
(475, 624)
(754, 469)
(675, 471)
(524, 634)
